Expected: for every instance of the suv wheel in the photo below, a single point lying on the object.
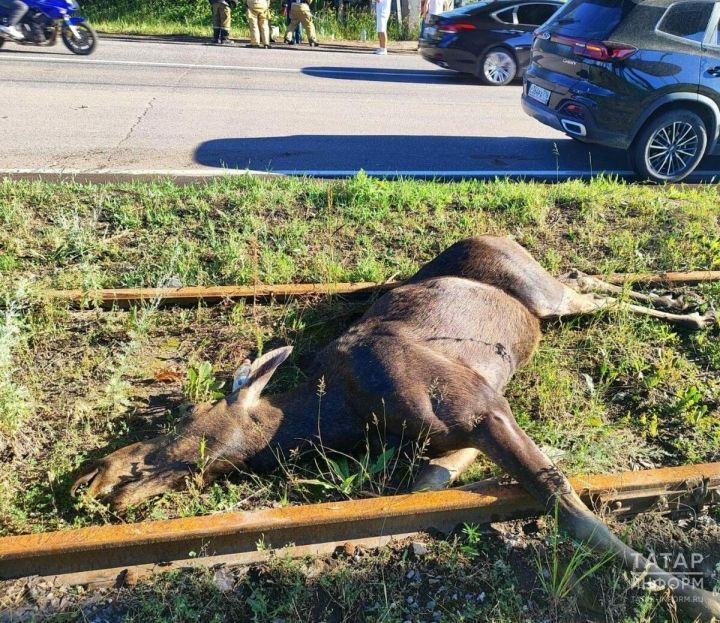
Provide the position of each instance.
(670, 146)
(497, 67)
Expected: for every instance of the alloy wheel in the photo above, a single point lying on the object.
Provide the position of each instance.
(499, 67)
(672, 149)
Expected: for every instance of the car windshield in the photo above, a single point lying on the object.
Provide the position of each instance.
(593, 19)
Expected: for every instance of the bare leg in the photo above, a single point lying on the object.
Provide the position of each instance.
(587, 303)
(585, 283)
(499, 436)
(444, 470)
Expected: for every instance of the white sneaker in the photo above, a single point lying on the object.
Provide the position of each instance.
(381, 51)
(12, 31)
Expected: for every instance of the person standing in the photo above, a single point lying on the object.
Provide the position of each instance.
(257, 14)
(300, 14)
(432, 7)
(296, 37)
(222, 19)
(382, 13)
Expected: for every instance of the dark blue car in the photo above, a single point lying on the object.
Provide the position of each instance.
(637, 75)
(490, 40)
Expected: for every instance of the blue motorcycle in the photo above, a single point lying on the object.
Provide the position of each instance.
(46, 19)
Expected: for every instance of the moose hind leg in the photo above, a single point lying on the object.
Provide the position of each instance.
(587, 283)
(498, 435)
(588, 303)
(503, 263)
(444, 470)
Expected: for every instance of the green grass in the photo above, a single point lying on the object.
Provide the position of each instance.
(237, 231)
(603, 393)
(193, 18)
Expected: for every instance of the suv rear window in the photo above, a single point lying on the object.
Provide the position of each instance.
(688, 20)
(590, 19)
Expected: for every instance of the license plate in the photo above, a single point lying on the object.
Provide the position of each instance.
(429, 32)
(538, 93)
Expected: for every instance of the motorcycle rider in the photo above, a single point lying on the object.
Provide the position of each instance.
(16, 9)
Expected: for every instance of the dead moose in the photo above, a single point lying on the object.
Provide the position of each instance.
(464, 323)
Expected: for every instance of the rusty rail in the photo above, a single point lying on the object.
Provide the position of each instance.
(99, 555)
(124, 297)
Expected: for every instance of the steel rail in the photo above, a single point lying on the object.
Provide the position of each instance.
(101, 555)
(123, 297)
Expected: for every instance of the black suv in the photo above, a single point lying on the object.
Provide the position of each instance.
(639, 75)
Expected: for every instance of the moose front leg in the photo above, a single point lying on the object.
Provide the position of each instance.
(498, 435)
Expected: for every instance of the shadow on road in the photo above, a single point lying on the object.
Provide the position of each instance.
(371, 74)
(423, 156)
(420, 154)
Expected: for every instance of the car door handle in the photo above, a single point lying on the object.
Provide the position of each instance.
(714, 71)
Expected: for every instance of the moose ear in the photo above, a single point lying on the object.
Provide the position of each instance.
(262, 370)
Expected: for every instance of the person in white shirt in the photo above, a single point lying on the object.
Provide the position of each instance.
(382, 12)
(432, 7)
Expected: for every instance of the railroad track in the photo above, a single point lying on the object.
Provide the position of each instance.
(110, 554)
(125, 297)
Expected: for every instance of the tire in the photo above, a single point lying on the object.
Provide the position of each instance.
(497, 67)
(669, 147)
(85, 44)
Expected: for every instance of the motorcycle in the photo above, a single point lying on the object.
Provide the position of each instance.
(46, 19)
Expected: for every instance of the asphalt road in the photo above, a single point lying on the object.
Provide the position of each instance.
(148, 105)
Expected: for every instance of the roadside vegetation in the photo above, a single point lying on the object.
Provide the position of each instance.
(193, 18)
(603, 393)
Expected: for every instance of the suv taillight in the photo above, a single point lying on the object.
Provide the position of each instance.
(456, 27)
(595, 49)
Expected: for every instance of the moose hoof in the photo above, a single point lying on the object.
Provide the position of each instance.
(698, 321)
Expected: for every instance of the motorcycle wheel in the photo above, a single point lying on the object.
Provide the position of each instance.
(86, 41)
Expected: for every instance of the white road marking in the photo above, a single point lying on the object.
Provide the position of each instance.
(249, 68)
(136, 172)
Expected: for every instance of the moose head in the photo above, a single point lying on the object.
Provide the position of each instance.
(235, 431)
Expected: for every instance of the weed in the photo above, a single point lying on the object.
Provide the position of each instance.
(116, 398)
(201, 384)
(16, 403)
(559, 578)
(473, 545)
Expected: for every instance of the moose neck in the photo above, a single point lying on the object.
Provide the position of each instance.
(314, 414)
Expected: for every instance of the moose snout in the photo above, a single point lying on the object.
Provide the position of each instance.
(130, 476)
